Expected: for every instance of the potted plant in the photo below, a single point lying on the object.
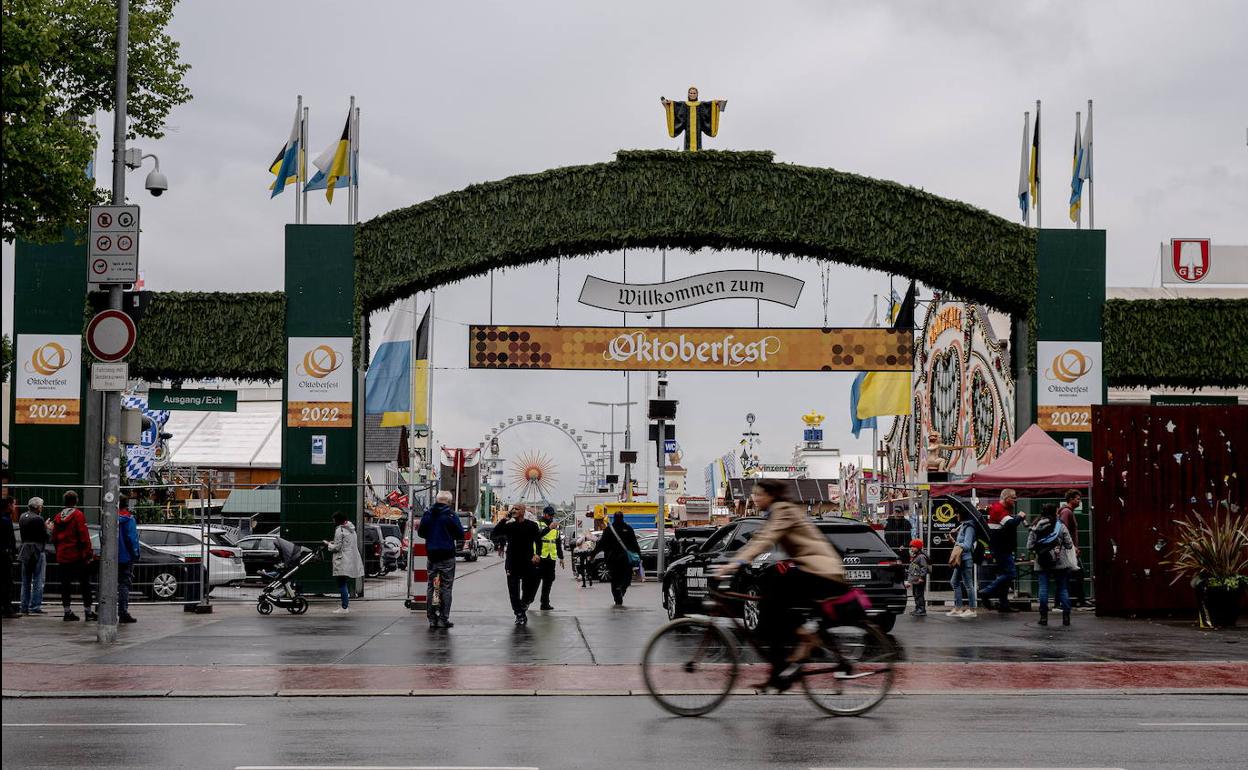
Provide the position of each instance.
(1213, 555)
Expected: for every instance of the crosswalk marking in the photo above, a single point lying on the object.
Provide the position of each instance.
(381, 767)
(1193, 724)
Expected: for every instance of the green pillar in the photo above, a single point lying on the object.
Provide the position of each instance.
(321, 422)
(50, 380)
(1070, 297)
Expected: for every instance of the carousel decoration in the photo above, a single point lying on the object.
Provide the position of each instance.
(533, 476)
(963, 414)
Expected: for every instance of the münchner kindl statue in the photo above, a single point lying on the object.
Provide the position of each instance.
(693, 117)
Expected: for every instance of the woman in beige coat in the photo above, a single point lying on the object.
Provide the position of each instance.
(817, 573)
(347, 562)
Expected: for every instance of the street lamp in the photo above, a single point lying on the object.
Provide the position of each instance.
(628, 432)
(611, 455)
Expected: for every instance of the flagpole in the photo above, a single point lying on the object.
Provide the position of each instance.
(1078, 169)
(302, 171)
(411, 414)
(433, 322)
(1039, 208)
(298, 151)
(1089, 150)
(355, 168)
(350, 160)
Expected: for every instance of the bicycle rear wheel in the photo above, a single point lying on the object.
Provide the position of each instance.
(689, 666)
(852, 672)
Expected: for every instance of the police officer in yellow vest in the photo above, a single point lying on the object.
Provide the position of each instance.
(551, 549)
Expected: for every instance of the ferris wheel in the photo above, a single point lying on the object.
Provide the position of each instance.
(533, 476)
(589, 465)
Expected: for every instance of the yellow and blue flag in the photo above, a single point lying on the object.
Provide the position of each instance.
(285, 167)
(1024, 187)
(1076, 178)
(876, 394)
(398, 377)
(334, 165)
(1033, 174)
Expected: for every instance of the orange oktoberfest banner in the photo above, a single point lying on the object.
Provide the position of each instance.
(319, 386)
(48, 379)
(690, 349)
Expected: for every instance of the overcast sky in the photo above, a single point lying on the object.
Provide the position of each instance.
(926, 94)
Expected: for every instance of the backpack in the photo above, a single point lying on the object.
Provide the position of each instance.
(977, 554)
(1046, 548)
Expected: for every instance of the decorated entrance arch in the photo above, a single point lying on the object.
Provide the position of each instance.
(704, 200)
(336, 275)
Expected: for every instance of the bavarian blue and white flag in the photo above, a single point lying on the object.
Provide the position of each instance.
(397, 383)
(141, 458)
(285, 167)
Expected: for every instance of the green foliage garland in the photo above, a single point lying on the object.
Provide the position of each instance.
(705, 200)
(187, 335)
(1187, 343)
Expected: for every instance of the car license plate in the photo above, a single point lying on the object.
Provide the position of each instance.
(858, 574)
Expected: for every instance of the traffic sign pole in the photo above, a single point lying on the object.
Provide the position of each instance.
(110, 477)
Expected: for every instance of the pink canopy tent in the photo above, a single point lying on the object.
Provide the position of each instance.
(1036, 466)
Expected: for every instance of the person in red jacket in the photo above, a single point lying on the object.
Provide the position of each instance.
(74, 555)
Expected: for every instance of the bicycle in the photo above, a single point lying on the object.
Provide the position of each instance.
(691, 664)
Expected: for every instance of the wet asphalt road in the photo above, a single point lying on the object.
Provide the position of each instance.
(628, 732)
(584, 629)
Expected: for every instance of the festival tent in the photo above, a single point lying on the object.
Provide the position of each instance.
(1036, 466)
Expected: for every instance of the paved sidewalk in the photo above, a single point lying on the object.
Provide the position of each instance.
(585, 645)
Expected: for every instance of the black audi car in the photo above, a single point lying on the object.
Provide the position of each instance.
(869, 564)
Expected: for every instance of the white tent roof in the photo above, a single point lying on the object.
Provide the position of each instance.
(248, 438)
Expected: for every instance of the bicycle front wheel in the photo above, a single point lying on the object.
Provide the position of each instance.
(690, 666)
(852, 672)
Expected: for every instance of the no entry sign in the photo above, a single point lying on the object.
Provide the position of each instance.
(111, 335)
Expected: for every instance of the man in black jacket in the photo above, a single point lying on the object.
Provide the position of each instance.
(522, 540)
(1003, 540)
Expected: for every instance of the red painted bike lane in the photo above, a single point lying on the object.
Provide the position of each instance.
(47, 679)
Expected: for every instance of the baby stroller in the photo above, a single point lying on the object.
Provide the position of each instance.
(281, 590)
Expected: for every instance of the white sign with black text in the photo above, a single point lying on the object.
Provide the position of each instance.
(113, 244)
(109, 377)
(691, 290)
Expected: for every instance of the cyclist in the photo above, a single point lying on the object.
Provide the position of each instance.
(815, 574)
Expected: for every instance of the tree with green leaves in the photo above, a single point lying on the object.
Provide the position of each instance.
(58, 61)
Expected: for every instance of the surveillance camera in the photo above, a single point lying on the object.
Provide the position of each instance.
(156, 183)
(649, 316)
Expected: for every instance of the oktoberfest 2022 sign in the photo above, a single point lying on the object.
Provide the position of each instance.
(689, 348)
